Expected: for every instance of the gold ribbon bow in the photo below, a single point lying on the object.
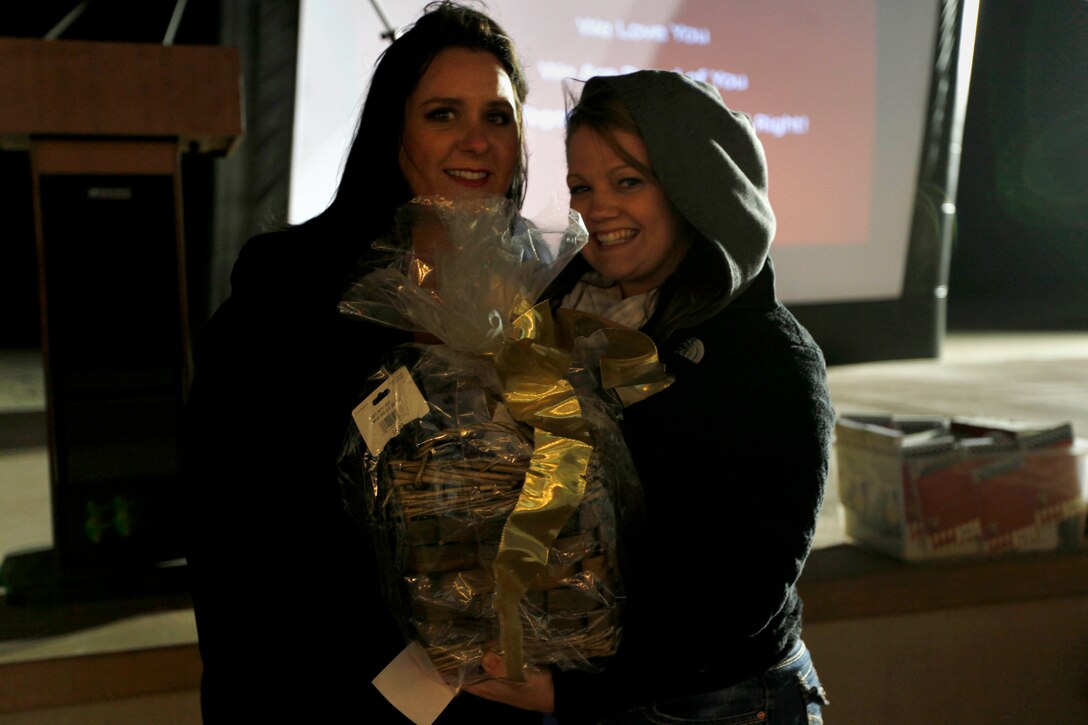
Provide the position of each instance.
(533, 365)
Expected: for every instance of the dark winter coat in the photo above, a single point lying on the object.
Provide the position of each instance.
(289, 613)
(733, 457)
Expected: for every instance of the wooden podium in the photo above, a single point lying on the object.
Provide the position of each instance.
(104, 124)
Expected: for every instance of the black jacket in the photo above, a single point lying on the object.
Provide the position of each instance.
(289, 613)
(732, 459)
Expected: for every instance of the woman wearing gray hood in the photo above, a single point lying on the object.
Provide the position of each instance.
(733, 457)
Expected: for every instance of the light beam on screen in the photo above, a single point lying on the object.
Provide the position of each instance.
(837, 91)
(338, 44)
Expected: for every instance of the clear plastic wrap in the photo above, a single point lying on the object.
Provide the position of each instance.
(462, 271)
(493, 499)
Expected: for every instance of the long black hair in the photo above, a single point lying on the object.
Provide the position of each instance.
(360, 212)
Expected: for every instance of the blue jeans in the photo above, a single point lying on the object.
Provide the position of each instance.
(788, 693)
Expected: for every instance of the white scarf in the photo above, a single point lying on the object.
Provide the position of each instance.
(593, 294)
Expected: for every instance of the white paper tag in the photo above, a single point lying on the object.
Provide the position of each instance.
(412, 685)
(394, 403)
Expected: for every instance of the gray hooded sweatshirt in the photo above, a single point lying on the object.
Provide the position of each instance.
(733, 456)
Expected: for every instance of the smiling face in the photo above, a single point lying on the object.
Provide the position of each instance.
(636, 238)
(461, 127)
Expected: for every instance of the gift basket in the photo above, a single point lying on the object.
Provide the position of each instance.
(490, 469)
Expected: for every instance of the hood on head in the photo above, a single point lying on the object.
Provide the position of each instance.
(710, 164)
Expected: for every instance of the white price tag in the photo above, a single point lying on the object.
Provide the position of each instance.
(412, 685)
(394, 403)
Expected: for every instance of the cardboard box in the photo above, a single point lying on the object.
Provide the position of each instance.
(928, 487)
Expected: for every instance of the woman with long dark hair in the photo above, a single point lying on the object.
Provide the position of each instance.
(289, 612)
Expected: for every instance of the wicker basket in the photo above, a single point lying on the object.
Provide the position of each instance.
(448, 503)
